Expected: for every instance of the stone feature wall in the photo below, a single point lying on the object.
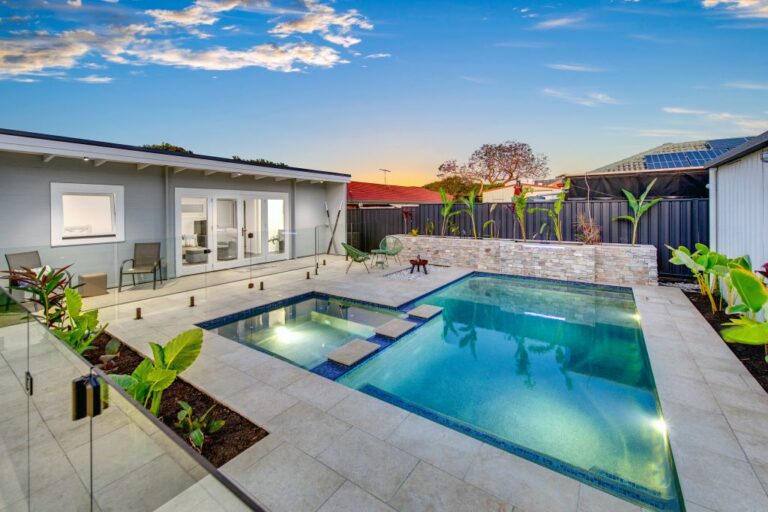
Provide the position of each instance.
(606, 263)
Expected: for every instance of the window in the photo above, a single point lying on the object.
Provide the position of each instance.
(86, 214)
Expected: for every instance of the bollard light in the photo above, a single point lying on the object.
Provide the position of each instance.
(192, 301)
(138, 314)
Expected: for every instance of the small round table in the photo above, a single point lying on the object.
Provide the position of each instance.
(418, 264)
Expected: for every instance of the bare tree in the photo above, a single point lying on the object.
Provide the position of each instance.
(498, 163)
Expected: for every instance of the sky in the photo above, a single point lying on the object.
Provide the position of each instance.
(356, 86)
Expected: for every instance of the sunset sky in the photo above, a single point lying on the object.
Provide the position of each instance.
(354, 86)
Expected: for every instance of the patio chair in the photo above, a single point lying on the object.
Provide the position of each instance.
(19, 261)
(146, 260)
(389, 246)
(357, 256)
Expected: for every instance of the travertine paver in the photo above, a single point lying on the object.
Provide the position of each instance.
(425, 311)
(395, 328)
(352, 352)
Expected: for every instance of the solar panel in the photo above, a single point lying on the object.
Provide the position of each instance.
(727, 143)
(682, 160)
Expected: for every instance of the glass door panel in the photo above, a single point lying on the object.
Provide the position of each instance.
(252, 232)
(277, 239)
(195, 239)
(227, 231)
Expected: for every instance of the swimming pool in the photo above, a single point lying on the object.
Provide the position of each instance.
(553, 372)
(304, 329)
(557, 373)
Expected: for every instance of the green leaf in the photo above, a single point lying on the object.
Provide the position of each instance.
(197, 437)
(215, 426)
(159, 355)
(74, 302)
(737, 309)
(141, 371)
(648, 189)
(630, 199)
(750, 288)
(625, 217)
(648, 206)
(182, 350)
(160, 379)
(746, 331)
(126, 382)
(184, 405)
(703, 249)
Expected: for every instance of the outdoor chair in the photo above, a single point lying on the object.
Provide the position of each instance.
(389, 246)
(146, 260)
(356, 256)
(18, 261)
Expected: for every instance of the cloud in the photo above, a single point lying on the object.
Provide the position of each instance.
(650, 38)
(378, 56)
(669, 133)
(323, 19)
(591, 99)
(565, 21)
(740, 8)
(95, 79)
(579, 68)
(202, 12)
(747, 125)
(39, 52)
(750, 86)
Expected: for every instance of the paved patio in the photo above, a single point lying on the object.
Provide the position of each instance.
(332, 448)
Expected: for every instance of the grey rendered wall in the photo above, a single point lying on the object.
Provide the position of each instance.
(741, 209)
(25, 209)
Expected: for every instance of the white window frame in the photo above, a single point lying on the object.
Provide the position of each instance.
(58, 190)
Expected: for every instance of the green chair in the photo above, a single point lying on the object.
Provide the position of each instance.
(389, 246)
(357, 256)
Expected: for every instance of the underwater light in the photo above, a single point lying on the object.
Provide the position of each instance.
(637, 317)
(660, 425)
(285, 335)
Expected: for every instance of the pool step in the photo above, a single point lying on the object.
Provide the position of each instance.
(352, 352)
(395, 328)
(425, 312)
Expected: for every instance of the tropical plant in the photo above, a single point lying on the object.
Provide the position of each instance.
(557, 207)
(148, 381)
(414, 232)
(748, 328)
(47, 288)
(490, 224)
(196, 428)
(639, 208)
(78, 329)
(430, 228)
(519, 207)
(470, 202)
(446, 210)
(111, 351)
(587, 230)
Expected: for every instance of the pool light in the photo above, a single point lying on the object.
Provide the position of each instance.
(660, 425)
(285, 335)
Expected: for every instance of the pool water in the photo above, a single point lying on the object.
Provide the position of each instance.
(305, 331)
(553, 372)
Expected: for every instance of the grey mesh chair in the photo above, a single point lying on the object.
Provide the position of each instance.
(146, 260)
(19, 261)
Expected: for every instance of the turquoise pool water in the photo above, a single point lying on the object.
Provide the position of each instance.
(303, 332)
(539, 368)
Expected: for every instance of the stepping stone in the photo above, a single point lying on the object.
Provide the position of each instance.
(395, 328)
(425, 312)
(350, 353)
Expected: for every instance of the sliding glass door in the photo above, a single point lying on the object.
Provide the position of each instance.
(217, 229)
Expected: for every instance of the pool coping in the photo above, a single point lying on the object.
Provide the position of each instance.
(682, 348)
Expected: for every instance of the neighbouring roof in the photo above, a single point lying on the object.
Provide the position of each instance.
(57, 145)
(754, 144)
(680, 155)
(362, 192)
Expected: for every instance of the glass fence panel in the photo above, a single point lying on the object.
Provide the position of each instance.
(14, 406)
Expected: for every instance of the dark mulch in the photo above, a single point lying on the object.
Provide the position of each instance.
(751, 356)
(237, 435)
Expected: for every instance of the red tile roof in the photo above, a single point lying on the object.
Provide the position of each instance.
(361, 192)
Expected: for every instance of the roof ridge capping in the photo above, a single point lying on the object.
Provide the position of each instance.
(754, 144)
(128, 147)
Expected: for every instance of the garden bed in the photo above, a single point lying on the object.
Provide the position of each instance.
(237, 435)
(751, 356)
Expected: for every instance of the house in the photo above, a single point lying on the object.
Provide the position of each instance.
(738, 208)
(361, 194)
(86, 203)
(679, 169)
(539, 191)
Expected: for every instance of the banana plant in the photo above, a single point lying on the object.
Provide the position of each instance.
(446, 210)
(639, 208)
(470, 202)
(557, 207)
(148, 381)
(519, 207)
(749, 328)
(80, 329)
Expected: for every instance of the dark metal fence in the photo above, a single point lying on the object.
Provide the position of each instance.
(672, 222)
